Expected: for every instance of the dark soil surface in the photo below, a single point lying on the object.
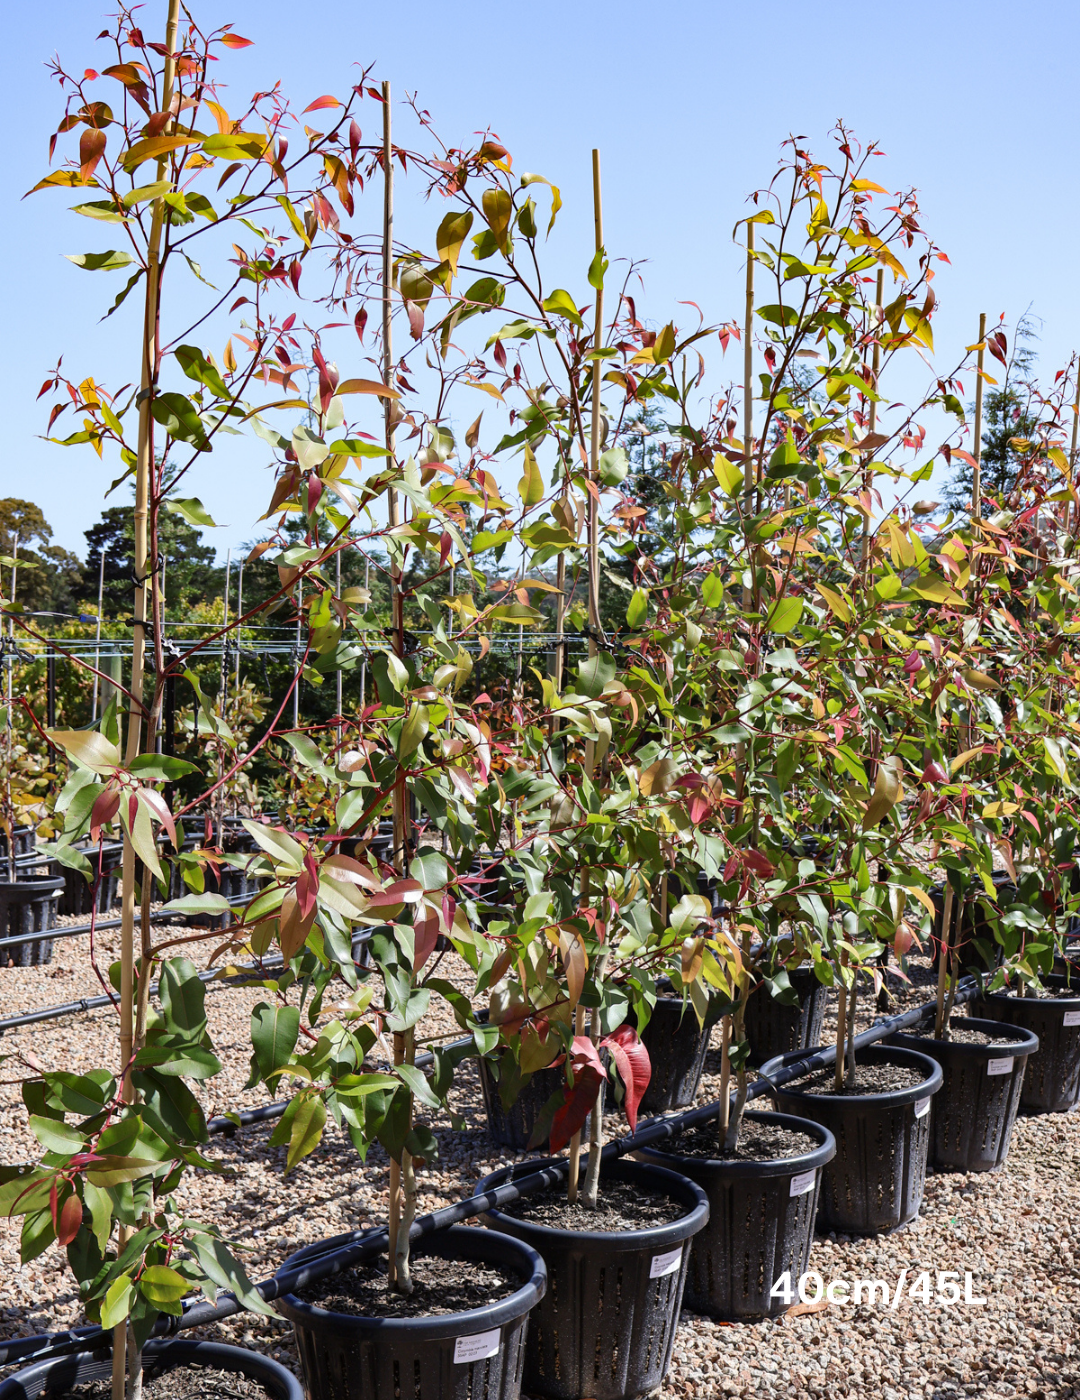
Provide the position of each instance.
(183, 1383)
(620, 1206)
(960, 1035)
(758, 1142)
(442, 1286)
(1071, 993)
(869, 1079)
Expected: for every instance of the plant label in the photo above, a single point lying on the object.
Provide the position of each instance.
(1002, 1066)
(1071, 1018)
(665, 1263)
(803, 1182)
(922, 1108)
(477, 1347)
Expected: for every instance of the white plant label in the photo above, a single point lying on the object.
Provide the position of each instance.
(478, 1347)
(1002, 1066)
(1071, 1018)
(665, 1263)
(803, 1182)
(922, 1108)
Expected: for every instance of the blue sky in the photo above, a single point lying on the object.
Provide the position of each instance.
(688, 102)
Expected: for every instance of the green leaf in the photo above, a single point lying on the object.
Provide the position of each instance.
(531, 485)
(117, 1302)
(192, 510)
(452, 233)
(274, 1030)
(161, 1285)
(417, 1084)
(196, 366)
(301, 1126)
(594, 674)
(785, 615)
(100, 262)
(277, 844)
(87, 747)
(182, 997)
(413, 731)
(222, 1269)
(561, 303)
(712, 589)
(55, 1136)
(637, 610)
(886, 791)
(180, 419)
(396, 672)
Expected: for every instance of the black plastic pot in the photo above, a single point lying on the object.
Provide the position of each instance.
(773, 1028)
(761, 1219)
(875, 1182)
(28, 907)
(512, 1127)
(25, 841)
(1052, 1079)
(78, 893)
(607, 1324)
(677, 1047)
(971, 1119)
(65, 1374)
(475, 1355)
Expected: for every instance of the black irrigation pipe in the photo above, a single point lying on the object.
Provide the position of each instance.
(343, 1251)
(251, 973)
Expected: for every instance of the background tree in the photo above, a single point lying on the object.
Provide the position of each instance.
(48, 576)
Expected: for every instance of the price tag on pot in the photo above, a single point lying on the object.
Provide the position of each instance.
(1002, 1066)
(1071, 1018)
(665, 1263)
(922, 1108)
(803, 1182)
(478, 1347)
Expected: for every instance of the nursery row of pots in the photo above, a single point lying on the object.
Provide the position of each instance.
(592, 1312)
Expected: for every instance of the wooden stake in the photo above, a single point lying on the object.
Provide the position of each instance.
(875, 370)
(143, 467)
(944, 952)
(976, 471)
(749, 475)
(594, 439)
(97, 633)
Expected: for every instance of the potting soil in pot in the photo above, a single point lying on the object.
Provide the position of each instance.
(441, 1286)
(960, 1035)
(619, 1206)
(758, 1142)
(182, 1383)
(869, 1079)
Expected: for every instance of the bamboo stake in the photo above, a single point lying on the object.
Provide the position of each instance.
(943, 958)
(875, 370)
(9, 735)
(143, 466)
(97, 634)
(594, 436)
(337, 586)
(402, 1183)
(239, 615)
(748, 462)
(976, 471)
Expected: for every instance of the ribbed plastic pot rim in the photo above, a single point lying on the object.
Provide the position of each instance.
(617, 1241)
(1037, 1001)
(54, 884)
(1026, 1042)
(218, 1355)
(815, 1157)
(891, 1098)
(444, 1325)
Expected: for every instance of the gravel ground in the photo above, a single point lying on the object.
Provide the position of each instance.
(1013, 1231)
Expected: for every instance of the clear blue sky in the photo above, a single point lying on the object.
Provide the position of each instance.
(688, 102)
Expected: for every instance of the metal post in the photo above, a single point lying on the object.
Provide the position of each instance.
(50, 687)
(97, 637)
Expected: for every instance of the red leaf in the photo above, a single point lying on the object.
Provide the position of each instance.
(314, 492)
(294, 275)
(585, 1055)
(234, 41)
(416, 319)
(426, 935)
(934, 773)
(913, 663)
(325, 101)
(445, 543)
(360, 323)
(156, 803)
(354, 139)
(699, 808)
(91, 149)
(570, 1117)
(106, 805)
(759, 864)
(70, 1220)
(633, 1066)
